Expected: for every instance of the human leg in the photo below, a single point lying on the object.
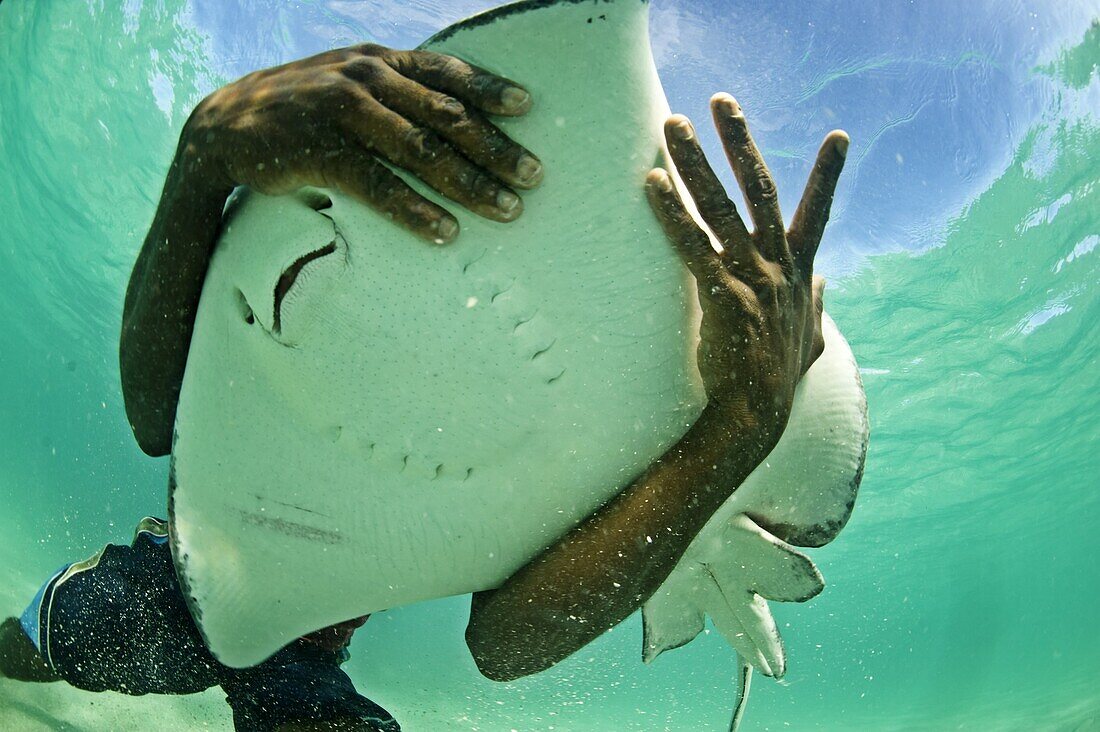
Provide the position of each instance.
(118, 622)
(301, 687)
(19, 659)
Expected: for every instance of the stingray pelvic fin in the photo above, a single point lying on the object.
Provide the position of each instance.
(730, 578)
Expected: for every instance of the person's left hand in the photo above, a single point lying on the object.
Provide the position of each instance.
(761, 304)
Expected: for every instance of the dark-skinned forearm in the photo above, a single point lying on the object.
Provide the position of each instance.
(163, 295)
(609, 565)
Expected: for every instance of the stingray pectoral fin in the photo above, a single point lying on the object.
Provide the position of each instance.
(672, 616)
(772, 568)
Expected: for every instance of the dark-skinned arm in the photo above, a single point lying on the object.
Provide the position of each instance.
(761, 330)
(329, 121)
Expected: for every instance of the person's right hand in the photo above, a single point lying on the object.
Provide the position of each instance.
(331, 120)
(761, 304)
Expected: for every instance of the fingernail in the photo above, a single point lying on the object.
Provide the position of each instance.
(514, 99)
(453, 106)
(445, 229)
(662, 181)
(683, 130)
(529, 170)
(842, 146)
(730, 104)
(507, 201)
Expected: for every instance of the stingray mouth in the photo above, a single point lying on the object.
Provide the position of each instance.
(290, 276)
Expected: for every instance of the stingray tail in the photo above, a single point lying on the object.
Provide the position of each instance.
(744, 680)
(730, 578)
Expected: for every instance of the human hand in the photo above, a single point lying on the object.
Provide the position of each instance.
(332, 119)
(761, 326)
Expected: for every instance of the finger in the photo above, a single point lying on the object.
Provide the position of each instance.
(817, 345)
(817, 285)
(486, 91)
(690, 241)
(467, 130)
(362, 176)
(420, 151)
(753, 176)
(717, 210)
(808, 224)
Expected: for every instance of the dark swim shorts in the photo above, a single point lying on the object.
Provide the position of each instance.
(118, 622)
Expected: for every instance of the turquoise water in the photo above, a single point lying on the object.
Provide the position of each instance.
(964, 272)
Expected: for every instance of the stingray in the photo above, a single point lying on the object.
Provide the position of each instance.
(407, 422)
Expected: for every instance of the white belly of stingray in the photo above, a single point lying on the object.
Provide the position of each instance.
(415, 421)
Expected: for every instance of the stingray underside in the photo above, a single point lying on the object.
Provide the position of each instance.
(408, 422)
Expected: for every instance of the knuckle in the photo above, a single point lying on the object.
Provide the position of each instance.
(765, 184)
(503, 153)
(415, 60)
(476, 181)
(412, 142)
(382, 54)
(485, 84)
(365, 69)
(336, 91)
(453, 68)
(448, 108)
(420, 145)
(406, 63)
(369, 49)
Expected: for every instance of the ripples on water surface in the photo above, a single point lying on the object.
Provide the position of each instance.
(964, 271)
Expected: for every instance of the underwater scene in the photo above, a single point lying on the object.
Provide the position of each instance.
(507, 383)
